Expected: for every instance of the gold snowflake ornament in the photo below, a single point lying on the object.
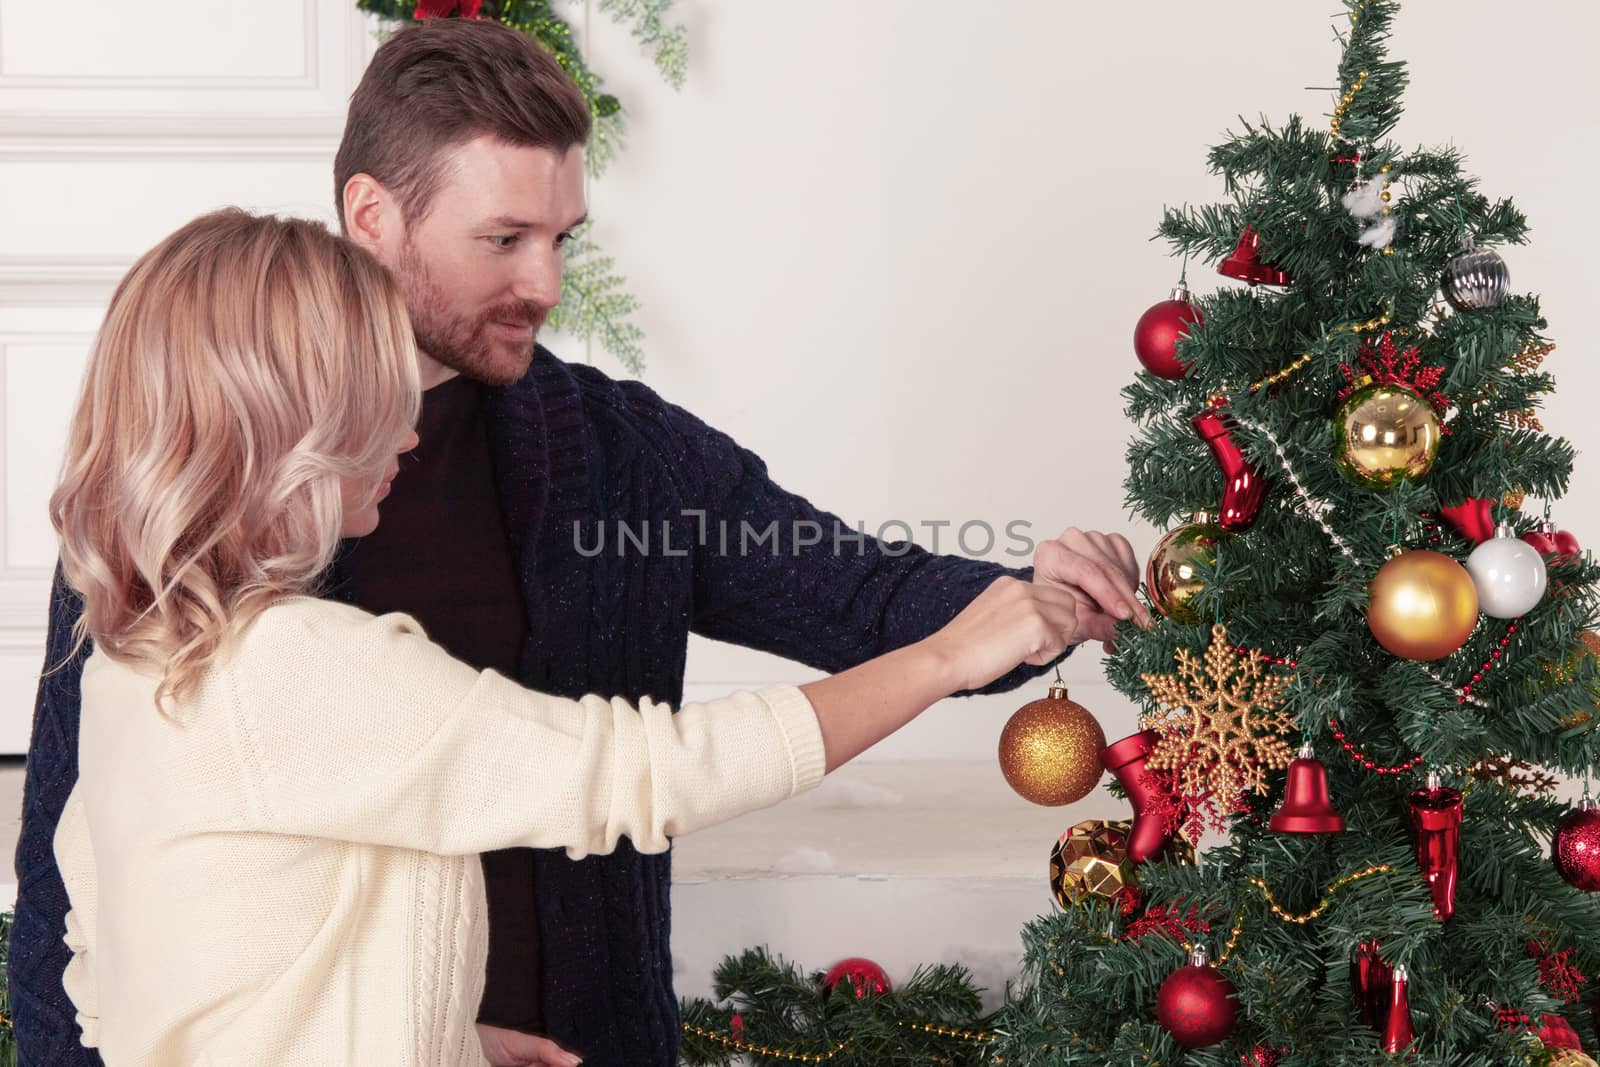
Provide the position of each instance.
(1220, 732)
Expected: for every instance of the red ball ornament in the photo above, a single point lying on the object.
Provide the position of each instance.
(1262, 1056)
(1576, 846)
(1550, 541)
(1197, 1005)
(865, 976)
(1155, 338)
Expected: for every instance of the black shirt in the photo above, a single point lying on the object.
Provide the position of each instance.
(440, 554)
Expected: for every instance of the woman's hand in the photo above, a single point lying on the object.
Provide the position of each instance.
(1009, 623)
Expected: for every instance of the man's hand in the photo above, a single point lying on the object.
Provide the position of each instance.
(512, 1048)
(1101, 573)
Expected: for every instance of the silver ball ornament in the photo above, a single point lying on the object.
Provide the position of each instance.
(1509, 574)
(1476, 278)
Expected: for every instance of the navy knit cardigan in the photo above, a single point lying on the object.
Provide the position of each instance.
(572, 446)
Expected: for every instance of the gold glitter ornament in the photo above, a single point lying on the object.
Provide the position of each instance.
(1220, 730)
(1384, 432)
(1091, 860)
(1050, 750)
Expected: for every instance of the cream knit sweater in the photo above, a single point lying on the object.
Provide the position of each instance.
(288, 873)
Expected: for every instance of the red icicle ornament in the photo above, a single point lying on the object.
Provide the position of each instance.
(1436, 817)
(1242, 484)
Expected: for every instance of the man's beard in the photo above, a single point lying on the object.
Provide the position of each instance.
(464, 344)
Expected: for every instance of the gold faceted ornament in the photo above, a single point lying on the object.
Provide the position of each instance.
(1050, 750)
(1513, 499)
(1384, 432)
(1568, 1057)
(1171, 577)
(1423, 605)
(1091, 860)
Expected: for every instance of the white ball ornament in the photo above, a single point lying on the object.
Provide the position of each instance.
(1509, 574)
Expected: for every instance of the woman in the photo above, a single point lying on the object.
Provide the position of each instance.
(271, 847)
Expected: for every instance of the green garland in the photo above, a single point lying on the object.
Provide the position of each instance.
(786, 1017)
(594, 301)
(8, 1038)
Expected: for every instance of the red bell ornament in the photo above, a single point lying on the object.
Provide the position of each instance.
(1436, 818)
(1306, 807)
(1249, 265)
(1152, 830)
(1397, 1031)
(1242, 485)
(1156, 336)
(1472, 519)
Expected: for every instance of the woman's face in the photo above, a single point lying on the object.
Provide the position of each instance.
(361, 496)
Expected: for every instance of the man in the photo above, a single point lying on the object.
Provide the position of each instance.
(461, 169)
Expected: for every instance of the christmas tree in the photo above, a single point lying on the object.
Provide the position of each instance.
(1369, 667)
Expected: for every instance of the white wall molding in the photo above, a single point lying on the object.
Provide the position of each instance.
(55, 280)
(156, 135)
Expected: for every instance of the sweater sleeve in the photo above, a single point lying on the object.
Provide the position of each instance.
(42, 1013)
(777, 573)
(75, 860)
(360, 728)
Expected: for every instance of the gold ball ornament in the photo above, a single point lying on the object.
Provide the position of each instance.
(1050, 750)
(1384, 432)
(1423, 605)
(1170, 577)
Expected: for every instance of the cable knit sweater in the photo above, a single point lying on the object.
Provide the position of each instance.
(575, 449)
(285, 871)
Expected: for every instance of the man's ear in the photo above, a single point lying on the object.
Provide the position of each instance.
(370, 213)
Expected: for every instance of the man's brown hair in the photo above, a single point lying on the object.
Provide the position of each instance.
(440, 83)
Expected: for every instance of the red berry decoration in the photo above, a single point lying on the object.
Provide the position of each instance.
(1155, 338)
(865, 976)
(1576, 846)
(1197, 1005)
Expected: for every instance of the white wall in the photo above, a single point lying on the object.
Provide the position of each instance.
(897, 248)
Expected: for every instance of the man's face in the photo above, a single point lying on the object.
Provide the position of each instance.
(482, 270)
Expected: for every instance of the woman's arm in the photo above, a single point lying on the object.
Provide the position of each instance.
(361, 729)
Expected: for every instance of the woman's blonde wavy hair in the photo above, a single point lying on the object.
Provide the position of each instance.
(246, 364)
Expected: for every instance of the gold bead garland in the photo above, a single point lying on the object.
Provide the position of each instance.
(1346, 100)
(762, 1050)
(1376, 323)
(1316, 912)
(981, 1037)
